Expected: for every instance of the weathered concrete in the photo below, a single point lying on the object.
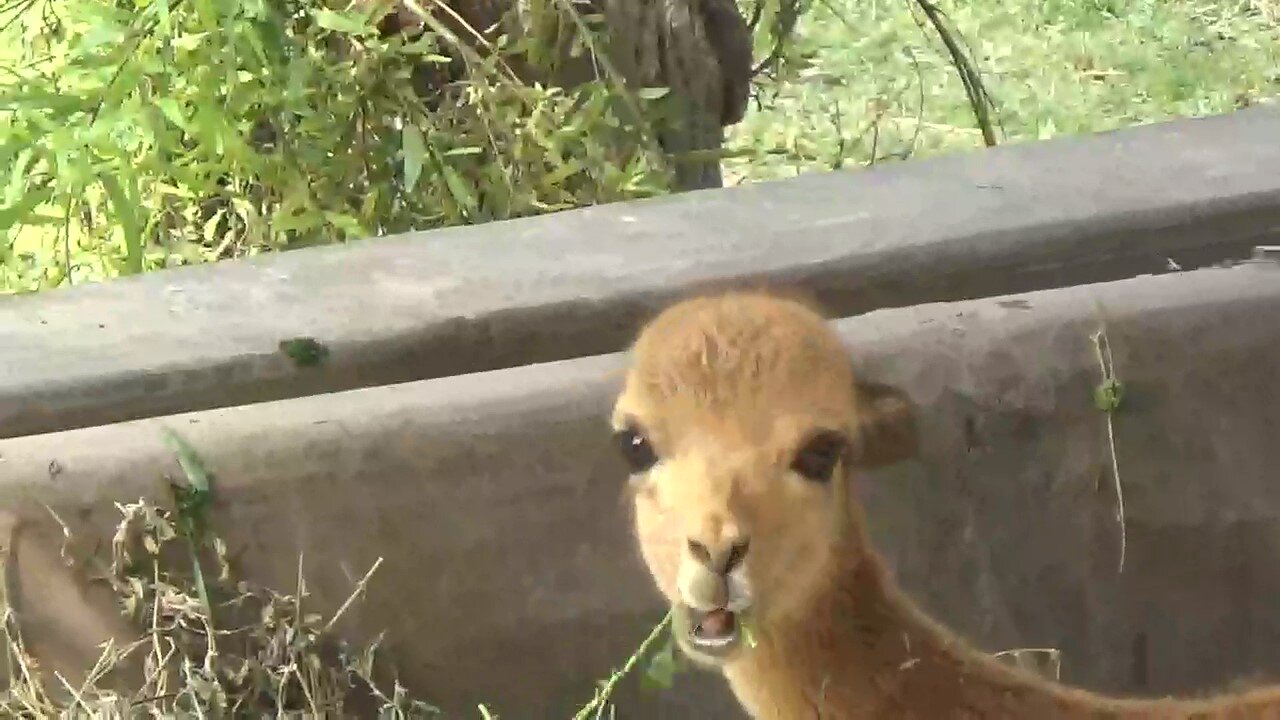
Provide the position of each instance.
(510, 579)
(1013, 219)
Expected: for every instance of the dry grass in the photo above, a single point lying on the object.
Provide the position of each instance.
(1270, 9)
(207, 645)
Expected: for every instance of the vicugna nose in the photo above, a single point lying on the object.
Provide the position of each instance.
(712, 595)
(721, 558)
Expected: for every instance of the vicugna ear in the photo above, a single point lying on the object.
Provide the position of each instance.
(886, 430)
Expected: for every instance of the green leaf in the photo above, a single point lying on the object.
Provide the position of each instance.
(38, 219)
(1108, 395)
(129, 213)
(25, 97)
(305, 351)
(189, 41)
(347, 224)
(415, 150)
(652, 93)
(17, 213)
(163, 17)
(172, 111)
(192, 502)
(198, 477)
(562, 173)
(164, 188)
(458, 188)
(20, 166)
(267, 40)
(352, 23)
(296, 213)
(661, 671)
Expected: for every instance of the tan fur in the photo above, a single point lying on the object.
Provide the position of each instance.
(725, 387)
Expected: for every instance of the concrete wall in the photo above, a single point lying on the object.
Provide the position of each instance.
(510, 579)
(1012, 219)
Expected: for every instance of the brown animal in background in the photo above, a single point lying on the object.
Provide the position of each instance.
(743, 425)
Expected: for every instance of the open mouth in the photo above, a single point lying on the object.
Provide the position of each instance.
(713, 632)
(715, 628)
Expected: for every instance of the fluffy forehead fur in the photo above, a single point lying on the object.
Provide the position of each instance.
(742, 363)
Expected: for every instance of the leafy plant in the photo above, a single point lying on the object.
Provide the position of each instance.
(152, 133)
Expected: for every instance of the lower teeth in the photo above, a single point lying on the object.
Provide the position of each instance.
(722, 640)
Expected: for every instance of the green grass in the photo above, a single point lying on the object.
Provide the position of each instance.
(868, 81)
(864, 75)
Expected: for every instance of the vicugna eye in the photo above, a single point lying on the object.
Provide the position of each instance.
(817, 457)
(635, 448)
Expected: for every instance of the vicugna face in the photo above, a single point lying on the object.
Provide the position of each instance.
(738, 420)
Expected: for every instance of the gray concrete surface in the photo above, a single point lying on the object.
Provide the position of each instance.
(510, 578)
(1013, 219)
